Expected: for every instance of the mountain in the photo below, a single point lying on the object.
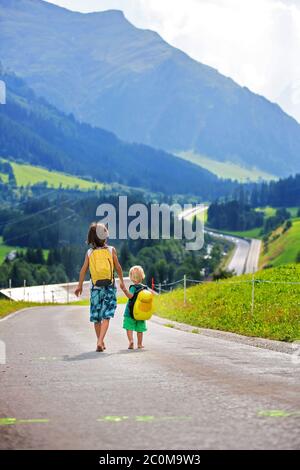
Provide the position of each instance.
(130, 81)
(33, 131)
(289, 97)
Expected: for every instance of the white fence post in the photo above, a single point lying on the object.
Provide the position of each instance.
(9, 285)
(184, 289)
(252, 295)
(159, 288)
(24, 298)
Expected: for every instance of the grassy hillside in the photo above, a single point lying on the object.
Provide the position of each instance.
(227, 170)
(5, 249)
(283, 247)
(3, 178)
(29, 175)
(253, 233)
(227, 305)
(34, 132)
(257, 232)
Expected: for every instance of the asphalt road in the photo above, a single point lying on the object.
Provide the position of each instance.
(183, 391)
(253, 256)
(239, 259)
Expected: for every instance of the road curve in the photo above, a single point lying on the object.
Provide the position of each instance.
(183, 391)
(239, 260)
(253, 256)
(241, 252)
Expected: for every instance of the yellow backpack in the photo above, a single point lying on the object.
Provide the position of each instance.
(101, 266)
(143, 306)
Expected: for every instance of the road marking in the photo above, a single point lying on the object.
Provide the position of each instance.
(143, 419)
(113, 419)
(278, 413)
(11, 421)
(7, 421)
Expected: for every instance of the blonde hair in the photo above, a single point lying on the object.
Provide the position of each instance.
(136, 274)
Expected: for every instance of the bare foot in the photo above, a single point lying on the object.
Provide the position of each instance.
(131, 346)
(140, 346)
(99, 349)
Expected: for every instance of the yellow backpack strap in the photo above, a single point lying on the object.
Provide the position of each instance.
(110, 249)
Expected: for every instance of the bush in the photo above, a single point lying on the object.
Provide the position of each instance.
(222, 274)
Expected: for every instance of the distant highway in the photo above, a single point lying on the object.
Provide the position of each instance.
(246, 253)
(253, 256)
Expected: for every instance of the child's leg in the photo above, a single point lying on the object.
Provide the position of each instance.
(130, 339)
(103, 330)
(140, 340)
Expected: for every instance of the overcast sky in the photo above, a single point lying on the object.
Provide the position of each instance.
(255, 42)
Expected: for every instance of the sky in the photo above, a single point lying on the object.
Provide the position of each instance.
(255, 42)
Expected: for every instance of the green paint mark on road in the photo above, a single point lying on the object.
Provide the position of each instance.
(32, 421)
(150, 419)
(145, 418)
(10, 421)
(278, 413)
(176, 418)
(113, 419)
(7, 421)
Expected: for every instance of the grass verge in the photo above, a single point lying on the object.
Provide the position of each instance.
(227, 305)
(7, 307)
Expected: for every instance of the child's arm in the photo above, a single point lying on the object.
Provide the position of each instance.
(128, 294)
(85, 266)
(118, 268)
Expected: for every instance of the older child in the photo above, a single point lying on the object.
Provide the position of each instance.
(101, 260)
(137, 276)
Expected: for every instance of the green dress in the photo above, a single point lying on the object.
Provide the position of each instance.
(130, 323)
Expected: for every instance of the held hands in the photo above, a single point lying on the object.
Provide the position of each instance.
(122, 286)
(78, 291)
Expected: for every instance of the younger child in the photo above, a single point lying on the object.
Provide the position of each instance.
(137, 276)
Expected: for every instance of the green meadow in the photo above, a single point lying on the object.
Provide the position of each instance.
(227, 170)
(283, 247)
(29, 175)
(227, 305)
